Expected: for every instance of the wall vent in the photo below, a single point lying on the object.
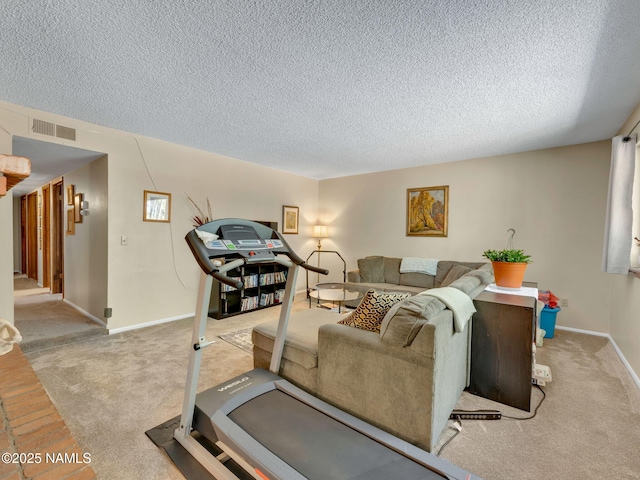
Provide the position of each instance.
(53, 130)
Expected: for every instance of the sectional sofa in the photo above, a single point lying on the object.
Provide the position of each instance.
(405, 378)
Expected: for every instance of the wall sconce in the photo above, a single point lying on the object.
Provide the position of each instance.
(84, 208)
(320, 232)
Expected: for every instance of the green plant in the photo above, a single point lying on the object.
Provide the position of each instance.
(513, 256)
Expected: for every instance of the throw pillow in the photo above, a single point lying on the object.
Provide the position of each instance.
(371, 269)
(485, 275)
(455, 273)
(372, 309)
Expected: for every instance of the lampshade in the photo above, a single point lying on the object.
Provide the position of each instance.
(320, 231)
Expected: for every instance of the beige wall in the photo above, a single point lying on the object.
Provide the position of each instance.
(85, 252)
(154, 277)
(554, 199)
(17, 250)
(6, 239)
(625, 289)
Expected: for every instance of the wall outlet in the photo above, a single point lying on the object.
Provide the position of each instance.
(564, 302)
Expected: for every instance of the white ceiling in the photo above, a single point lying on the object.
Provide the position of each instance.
(328, 88)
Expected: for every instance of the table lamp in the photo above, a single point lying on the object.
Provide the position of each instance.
(320, 232)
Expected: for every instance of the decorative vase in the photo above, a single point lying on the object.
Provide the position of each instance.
(509, 274)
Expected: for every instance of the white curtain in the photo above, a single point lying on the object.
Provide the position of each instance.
(617, 231)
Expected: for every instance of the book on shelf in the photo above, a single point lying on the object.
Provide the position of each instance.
(250, 281)
(278, 295)
(229, 288)
(248, 303)
(266, 299)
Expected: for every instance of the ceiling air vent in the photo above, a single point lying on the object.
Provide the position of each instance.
(53, 130)
(66, 132)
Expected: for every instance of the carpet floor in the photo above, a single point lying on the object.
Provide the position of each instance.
(112, 389)
(45, 320)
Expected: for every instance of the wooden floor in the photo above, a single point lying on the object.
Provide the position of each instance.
(35, 442)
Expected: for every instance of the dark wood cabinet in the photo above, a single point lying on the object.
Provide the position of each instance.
(502, 338)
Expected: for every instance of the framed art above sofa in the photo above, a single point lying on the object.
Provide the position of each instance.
(428, 211)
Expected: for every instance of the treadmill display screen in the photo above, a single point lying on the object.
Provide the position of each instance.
(320, 447)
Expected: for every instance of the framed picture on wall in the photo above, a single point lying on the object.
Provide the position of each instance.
(157, 207)
(77, 207)
(289, 219)
(70, 193)
(71, 221)
(427, 211)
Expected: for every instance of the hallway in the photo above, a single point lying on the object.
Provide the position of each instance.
(45, 320)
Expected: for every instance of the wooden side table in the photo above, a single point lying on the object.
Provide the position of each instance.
(502, 337)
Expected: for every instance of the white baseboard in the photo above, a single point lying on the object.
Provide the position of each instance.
(299, 294)
(634, 376)
(84, 312)
(149, 324)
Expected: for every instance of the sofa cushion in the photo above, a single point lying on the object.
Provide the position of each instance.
(372, 309)
(414, 279)
(445, 265)
(404, 320)
(455, 273)
(392, 270)
(466, 283)
(301, 344)
(371, 269)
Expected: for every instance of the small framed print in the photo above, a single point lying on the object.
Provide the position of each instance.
(157, 207)
(290, 219)
(71, 221)
(77, 207)
(70, 193)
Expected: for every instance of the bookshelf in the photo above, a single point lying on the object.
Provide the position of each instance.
(263, 287)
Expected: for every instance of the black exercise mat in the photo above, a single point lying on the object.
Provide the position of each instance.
(162, 436)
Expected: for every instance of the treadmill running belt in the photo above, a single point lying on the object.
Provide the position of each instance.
(318, 446)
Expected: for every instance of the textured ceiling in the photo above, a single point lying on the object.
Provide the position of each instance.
(331, 88)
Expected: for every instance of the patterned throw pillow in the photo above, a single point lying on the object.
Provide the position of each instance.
(372, 309)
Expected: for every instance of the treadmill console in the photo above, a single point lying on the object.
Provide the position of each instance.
(242, 238)
(236, 238)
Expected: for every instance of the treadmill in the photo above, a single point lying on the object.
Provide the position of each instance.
(264, 427)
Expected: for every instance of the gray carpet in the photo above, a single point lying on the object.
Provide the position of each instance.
(111, 389)
(46, 321)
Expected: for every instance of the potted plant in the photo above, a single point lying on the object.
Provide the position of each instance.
(508, 266)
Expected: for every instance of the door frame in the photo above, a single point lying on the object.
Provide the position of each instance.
(58, 230)
(46, 236)
(32, 236)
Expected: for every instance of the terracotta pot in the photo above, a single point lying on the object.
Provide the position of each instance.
(509, 274)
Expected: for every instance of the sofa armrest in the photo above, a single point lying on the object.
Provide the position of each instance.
(354, 276)
(403, 391)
